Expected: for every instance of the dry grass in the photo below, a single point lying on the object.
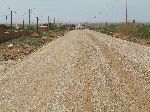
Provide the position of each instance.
(127, 28)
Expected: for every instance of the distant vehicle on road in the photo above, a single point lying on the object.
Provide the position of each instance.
(80, 27)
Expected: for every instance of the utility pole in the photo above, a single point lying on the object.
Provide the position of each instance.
(48, 24)
(6, 20)
(29, 20)
(126, 11)
(54, 20)
(11, 22)
(54, 24)
(23, 26)
(37, 27)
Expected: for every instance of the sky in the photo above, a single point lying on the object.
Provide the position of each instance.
(76, 11)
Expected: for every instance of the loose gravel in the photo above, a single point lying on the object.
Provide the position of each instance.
(84, 71)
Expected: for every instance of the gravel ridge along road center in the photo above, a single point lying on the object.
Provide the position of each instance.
(84, 71)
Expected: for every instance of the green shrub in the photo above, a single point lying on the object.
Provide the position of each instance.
(148, 43)
(32, 41)
(143, 31)
(109, 29)
(45, 34)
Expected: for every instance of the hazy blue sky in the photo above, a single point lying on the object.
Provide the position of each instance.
(77, 10)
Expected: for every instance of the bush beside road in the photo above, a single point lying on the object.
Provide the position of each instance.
(138, 33)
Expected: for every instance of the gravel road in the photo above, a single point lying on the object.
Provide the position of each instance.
(84, 71)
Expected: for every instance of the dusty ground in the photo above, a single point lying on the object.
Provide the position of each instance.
(16, 49)
(84, 71)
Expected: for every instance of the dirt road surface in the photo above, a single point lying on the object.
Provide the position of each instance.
(83, 71)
